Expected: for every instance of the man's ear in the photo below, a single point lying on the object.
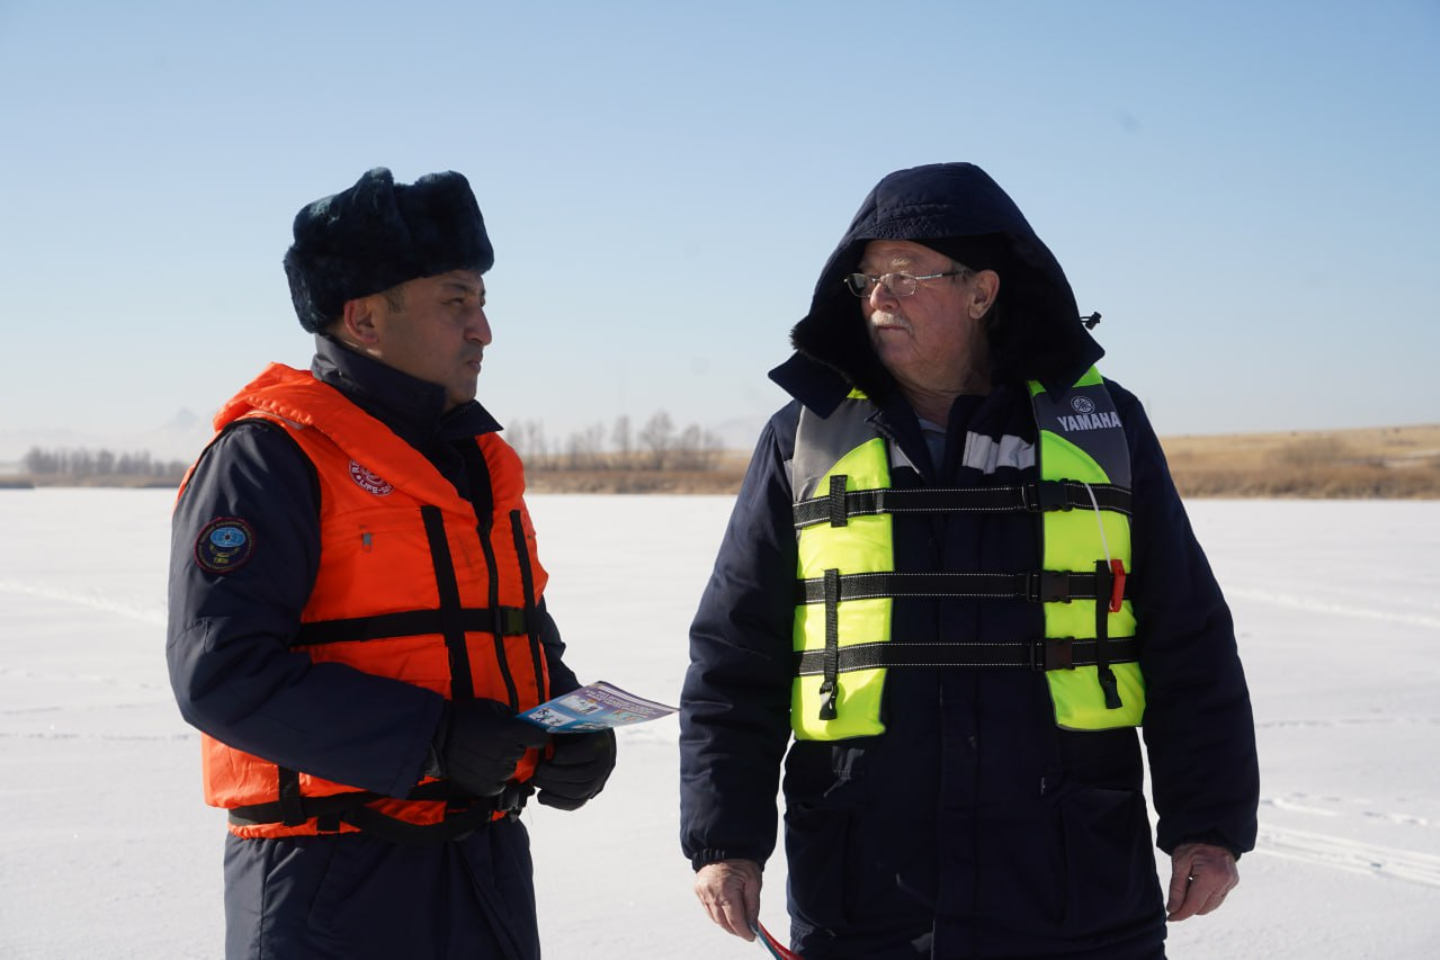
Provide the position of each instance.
(983, 291)
(358, 322)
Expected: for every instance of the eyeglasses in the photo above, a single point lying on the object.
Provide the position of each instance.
(895, 284)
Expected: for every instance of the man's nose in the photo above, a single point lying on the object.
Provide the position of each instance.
(880, 292)
(480, 328)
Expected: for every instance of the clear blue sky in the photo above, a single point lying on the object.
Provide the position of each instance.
(1247, 191)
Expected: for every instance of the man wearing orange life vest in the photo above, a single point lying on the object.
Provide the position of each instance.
(357, 609)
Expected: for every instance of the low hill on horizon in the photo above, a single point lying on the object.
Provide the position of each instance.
(1368, 462)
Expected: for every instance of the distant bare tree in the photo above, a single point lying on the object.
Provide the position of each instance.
(81, 463)
(622, 440)
(77, 463)
(585, 450)
(528, 439)
(655, 437)
(697, 449)
(134, 464)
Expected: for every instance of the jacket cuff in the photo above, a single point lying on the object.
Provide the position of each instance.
(714, 855)
(1212, 839)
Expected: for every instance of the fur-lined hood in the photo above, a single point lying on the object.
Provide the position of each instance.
(957, 209)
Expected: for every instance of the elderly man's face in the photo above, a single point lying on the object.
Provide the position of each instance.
(438, 332)
(927, 339)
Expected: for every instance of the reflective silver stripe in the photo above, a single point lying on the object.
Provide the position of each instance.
(984, 454)
(898, 459)
(820, 442)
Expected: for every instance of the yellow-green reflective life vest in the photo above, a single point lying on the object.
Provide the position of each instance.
(847, 586)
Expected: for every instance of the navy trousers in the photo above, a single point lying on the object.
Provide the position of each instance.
(355, 897)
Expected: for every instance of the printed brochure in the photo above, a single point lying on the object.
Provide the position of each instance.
(595, 706)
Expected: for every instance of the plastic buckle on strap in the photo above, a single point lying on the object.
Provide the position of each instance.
(512, 798)
(1052, 653)
(1048, 495)
(1047, 586)
(828, 691)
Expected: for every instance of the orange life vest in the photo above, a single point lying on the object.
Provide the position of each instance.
(411, 585)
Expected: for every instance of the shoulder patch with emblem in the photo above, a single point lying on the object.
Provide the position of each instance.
(370, 481)
(225, 544)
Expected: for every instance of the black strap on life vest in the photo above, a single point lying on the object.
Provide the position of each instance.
(837, 505)
(465, 814)
(1051, 653)
(1104, 646)
(452, 626)
(1043, 586)
(830, 657)
(482, 499)
(291, 803)
(527, 584)
(409, 623)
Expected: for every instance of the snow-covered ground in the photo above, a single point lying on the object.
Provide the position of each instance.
(107, 851)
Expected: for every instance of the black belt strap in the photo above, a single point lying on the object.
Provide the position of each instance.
(835, 507)
(307, 807)
(1044, 586)
(409, 623)
(1054, 653)
(453, 827)
(473, 812)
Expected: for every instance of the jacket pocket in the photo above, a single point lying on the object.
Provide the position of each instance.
(817, 852)
(1109, 863)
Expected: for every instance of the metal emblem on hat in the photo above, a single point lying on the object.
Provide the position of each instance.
(224, 545)
(370, 482)
(1082, 404)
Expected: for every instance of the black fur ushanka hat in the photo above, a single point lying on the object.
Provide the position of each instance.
(379, 234)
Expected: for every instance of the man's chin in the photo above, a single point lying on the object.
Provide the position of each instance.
(458, 398)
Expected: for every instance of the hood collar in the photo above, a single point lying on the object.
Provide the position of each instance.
(949, 206)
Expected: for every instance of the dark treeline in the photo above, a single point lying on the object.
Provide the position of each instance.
(80, 464)
(657, 445)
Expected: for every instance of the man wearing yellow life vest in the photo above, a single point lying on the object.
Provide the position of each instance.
(357, 610)
(957, 583)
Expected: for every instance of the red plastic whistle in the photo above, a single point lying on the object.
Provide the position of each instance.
(1117, 587)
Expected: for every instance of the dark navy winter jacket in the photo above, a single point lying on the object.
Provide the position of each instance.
(974, 826)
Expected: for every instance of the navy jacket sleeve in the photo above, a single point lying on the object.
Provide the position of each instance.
(562, 679)
(1199, 729)
(228, 642)
(735, 704)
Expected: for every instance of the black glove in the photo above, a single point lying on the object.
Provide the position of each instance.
(480, 743)
(577, 770)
